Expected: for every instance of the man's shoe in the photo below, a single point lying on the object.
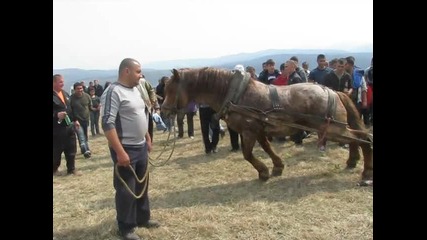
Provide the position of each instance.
(215, 150)
(75, 172)
(87, 154)
(150, 224)
(129, 235)
(57, 173)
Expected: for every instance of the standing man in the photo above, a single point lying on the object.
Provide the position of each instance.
(190, 111)
(81, 103)
(270, 73)
(94, 112)
(124, 121)
(208, 121)
(369, 78)
(294, 78)
(358, 95)
(299, 70)
(64, 138)
(340, 81)
(98, 88)
(318, 74)
(305, 68)
(148, 94)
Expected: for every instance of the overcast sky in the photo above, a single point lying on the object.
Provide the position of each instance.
(98, 34)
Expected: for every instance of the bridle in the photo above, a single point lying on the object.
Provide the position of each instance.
(174, 108)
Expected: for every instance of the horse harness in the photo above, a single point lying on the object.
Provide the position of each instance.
(330, 112)
(330, 109)
(274, 116)
(238, 84)
(274, 97)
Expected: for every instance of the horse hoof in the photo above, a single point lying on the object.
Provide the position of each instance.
(365, 183)
(277, 172)
(263, 177)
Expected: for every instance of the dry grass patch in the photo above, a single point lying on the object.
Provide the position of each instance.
(219, 196)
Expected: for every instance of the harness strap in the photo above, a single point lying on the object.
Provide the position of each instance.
(330, 114)
(332, 104)
(274, 97)
(238, 84)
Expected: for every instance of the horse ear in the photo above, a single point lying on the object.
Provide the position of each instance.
(175, 74)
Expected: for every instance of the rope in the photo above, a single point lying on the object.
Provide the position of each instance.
(137, 179)
(164, 147)
(140, 181)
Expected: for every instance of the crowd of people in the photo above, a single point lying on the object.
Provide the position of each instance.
(128, 109)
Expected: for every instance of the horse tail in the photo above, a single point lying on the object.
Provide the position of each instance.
(353, 116)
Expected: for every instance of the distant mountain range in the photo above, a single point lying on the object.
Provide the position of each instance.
(155, 70)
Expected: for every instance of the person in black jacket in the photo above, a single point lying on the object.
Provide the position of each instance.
(64, 137)
(294, 78)
(270, 73)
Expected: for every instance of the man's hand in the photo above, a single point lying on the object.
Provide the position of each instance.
(61, 115)
(76, 124)
(148, 142)
(123, 159)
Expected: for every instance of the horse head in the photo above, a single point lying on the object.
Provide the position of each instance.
(176, 97)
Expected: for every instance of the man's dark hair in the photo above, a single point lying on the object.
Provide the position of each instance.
(341, 61)
(77, 84)
(333, 61)
(321, 56)
(350, 60)
(282, 67)
(295, 58)
(270, 62)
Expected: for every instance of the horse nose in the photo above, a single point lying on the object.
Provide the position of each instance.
(164, 111)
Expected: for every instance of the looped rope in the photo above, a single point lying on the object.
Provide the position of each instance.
(140, 181)
(164, 147)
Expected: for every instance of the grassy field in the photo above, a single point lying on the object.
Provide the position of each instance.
(219, 196)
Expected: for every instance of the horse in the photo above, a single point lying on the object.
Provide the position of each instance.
(258, 111)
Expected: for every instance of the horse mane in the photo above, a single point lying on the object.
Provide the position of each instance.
(207, 77)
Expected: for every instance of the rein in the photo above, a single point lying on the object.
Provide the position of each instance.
(164, 147)
(173, 109)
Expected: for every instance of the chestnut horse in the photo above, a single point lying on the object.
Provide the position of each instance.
(257, 111)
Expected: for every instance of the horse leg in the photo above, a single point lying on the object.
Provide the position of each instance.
(354, 155)
(368, 167)
(247, 147)
(277, 161)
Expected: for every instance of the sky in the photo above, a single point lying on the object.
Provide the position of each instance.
(98, 34)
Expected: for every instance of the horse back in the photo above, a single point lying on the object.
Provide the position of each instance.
(306, 98)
